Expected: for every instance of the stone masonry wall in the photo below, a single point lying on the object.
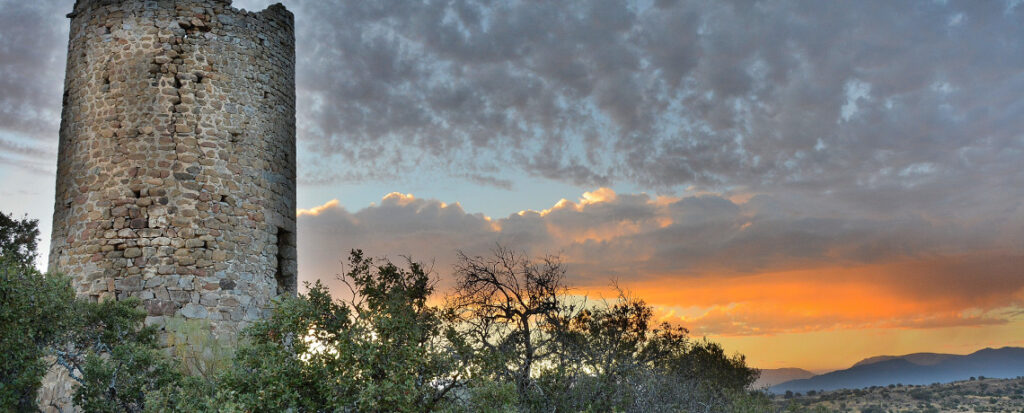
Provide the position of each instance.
(176, 169)
(176, 164)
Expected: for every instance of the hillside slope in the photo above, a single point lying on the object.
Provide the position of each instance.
(1006, 362)
(987, 395)
(771, 377)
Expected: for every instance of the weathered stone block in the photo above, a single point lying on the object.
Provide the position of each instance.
(192, 310)
(161, 307)
(227, 285)
(180, 296)
(132, 283)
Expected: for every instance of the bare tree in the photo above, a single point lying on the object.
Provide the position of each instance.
(517, 316)
(508, 303)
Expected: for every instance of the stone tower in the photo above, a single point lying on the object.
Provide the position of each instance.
(176, 168)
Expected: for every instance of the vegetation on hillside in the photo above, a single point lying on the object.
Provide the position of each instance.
(505, 340)
(508, 338)
(978, 394)
(34, 309)
(103, 346)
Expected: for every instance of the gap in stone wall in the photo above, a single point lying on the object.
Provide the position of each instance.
(283, 276)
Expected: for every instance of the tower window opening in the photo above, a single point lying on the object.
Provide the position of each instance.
(285, 274)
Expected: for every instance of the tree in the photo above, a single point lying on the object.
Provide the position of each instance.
(507, 340)
(408, 353)
(18, 239)
(508, 305)
(618, 361)
(386, 349)
(598, 361)
(103, 345)
(715, 376)
(279, 369)
(116, 358)
(34, 312)
(561, 356)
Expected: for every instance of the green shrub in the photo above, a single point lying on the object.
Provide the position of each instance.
(117, 360)
(385, 350)
(34, 313)
(35, 310)
(921, 394)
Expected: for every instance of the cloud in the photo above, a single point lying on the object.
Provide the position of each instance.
(44, 169)
(825, 97)
(332, 204)
(400, 225)
(30, 154)
(760, 319)
(33, 44)
(883, 105)
(903, 293)
(726, 267)
(12, 147)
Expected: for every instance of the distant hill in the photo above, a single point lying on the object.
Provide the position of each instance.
(924, 359)
(918, 368)
(771, 377)
(989, 395)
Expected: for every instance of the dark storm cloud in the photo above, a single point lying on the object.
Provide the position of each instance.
(841, 97)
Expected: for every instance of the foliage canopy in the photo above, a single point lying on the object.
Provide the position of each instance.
(507, 338)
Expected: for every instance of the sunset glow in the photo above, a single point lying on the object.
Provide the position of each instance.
(765, 307)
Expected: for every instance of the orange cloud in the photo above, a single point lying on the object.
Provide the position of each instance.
(741, 272)
(319, 208)
(398, 198)
(588, 219)
(885, 295)
(600, 195)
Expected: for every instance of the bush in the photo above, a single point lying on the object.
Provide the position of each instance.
(385, 350)
(18, 240)
(563, 357)
(921, 394)
(873, 409)
(102, 345)
(117, 360)
(34, 313)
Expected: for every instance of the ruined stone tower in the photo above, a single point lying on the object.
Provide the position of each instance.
(176, 169)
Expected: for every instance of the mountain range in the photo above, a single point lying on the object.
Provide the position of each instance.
(771, 377)
(917, 368)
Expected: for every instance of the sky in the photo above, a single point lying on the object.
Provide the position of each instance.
(809, 183)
